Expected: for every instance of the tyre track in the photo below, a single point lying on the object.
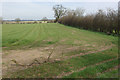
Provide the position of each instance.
(22, 37)
(89, 52)
(108, 70)
(38, 38)
(68, 73)
(24, 29)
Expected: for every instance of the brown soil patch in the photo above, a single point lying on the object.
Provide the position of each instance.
(27, 56)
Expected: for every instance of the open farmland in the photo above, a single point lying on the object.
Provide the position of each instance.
(74, 52)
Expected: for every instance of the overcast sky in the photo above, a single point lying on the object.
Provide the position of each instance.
(37, 9)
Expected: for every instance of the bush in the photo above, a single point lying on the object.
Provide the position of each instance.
(101, 21)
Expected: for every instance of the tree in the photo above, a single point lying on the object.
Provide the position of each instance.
(1, 20)
(79, 12)
(100, 21)
(112, 16)
(44, 19)
(17, 20)
(59, 11)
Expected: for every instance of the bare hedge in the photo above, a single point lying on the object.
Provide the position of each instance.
(100, 21)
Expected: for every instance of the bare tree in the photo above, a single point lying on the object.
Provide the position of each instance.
(102, 21)
(112, 19)
(59, 11)
(1, 20)
(44, 19)
(79, 12)
(17, 20)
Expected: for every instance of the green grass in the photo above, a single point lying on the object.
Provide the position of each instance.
(91, 72)
(25, 36)
(16, 36)
(110, 74)
(54, 69)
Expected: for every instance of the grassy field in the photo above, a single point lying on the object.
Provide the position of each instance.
(78, 53)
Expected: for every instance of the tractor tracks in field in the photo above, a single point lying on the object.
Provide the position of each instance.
(83, 68)
(108, 70)
(17, 32)
(22, 37)
(89, 52)
(81, 54)
(32, 54)
(41, 31)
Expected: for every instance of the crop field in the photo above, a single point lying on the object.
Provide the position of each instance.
(54, 50)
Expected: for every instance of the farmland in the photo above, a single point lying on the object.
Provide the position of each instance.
(75, 52)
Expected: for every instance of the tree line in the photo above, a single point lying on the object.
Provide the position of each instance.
(101, 21)
(19, 21)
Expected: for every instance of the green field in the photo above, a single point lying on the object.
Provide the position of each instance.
(81, 53)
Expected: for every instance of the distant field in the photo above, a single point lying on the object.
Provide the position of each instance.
(19, 35)
(24, 22)
(73, 48)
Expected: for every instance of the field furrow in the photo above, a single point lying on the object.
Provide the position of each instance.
(72, 52)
